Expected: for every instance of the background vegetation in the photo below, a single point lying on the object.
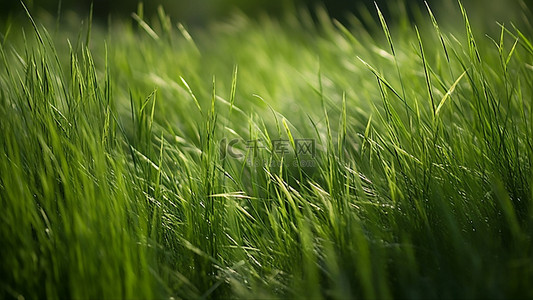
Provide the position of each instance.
(115, 180)
(200, 12)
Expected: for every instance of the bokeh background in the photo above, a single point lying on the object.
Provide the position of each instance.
(198, 12)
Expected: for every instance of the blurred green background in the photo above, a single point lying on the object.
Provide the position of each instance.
(197, 11)
(202, 11)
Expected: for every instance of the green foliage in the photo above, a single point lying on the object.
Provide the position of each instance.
(117, 181)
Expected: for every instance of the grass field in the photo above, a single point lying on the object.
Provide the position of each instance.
(267, 158)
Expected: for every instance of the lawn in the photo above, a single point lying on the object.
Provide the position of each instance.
(291, 157)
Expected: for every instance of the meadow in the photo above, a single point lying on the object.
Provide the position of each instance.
(294, 157)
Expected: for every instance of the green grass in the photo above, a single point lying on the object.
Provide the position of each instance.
(117, 179)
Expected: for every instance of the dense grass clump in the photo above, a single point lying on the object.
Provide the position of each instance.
(138, 161)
